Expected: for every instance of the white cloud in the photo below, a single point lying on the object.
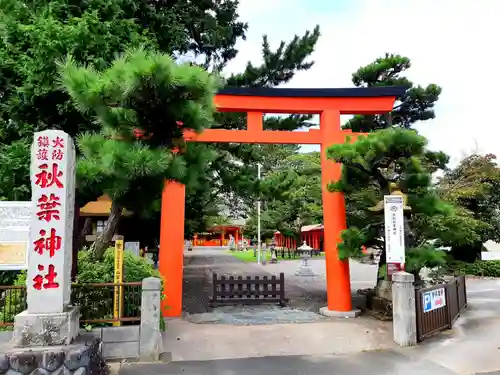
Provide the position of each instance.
(451, 43)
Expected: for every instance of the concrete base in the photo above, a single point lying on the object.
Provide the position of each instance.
(384, 290)
(46, 329)
(339, 314)
(305, 271)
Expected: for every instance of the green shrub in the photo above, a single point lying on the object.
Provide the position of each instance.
(487, 268)
(95, 302)
(135, 268)
(8, 277)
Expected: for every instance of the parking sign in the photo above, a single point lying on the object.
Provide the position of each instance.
(434, 299)
(427, 302)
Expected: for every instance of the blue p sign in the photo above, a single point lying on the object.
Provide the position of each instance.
(427, 302)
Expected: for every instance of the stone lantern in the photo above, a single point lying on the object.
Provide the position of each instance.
(263, 256)
(305, 253)
(274, 258)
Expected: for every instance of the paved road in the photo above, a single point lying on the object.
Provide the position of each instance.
(472, 347)
(369, 363)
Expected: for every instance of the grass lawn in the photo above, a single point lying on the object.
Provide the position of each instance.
(247, 256)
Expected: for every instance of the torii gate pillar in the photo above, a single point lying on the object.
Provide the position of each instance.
(329, 104)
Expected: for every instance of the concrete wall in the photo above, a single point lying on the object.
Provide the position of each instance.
(5, 337)
(118, 342)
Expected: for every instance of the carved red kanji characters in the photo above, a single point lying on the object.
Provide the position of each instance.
(57, 154)
(48, 207)
(43, 141)
(42, 154)
(46, 179)
(49, 278)
(51, 244)
(58, 142)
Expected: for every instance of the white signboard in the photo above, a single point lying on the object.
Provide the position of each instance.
(434, 299)
(14, 234)
(133, 247)
(51, 232)
(394, 229)
(490, 255)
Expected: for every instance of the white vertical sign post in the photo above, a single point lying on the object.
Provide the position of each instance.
(51, 230)
(394, 231)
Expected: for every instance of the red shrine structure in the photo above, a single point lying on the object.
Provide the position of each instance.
(218, 235)
(312, 234)
(329, 104)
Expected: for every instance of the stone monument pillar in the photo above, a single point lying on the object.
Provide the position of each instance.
(49, 319)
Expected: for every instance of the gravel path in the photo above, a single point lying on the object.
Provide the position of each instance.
(255, 315)
(306, 294)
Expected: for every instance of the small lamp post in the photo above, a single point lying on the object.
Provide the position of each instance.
(305, 253)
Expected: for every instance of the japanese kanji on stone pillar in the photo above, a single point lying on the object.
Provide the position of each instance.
(51, 231)
(49, 318)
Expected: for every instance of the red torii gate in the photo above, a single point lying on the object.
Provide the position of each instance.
(329, 104)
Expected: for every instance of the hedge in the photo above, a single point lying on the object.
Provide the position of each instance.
(486, 268)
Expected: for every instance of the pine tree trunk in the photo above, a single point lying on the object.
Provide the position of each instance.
(86, 230)
(102, 242)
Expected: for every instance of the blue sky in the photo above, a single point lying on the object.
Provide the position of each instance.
(451, 43)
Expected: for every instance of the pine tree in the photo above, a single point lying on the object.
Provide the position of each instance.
(143, 92)
(417, 104)
(365, 188)
(372, 166)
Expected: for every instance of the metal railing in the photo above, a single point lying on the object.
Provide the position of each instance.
(12, 302)
(96, 302)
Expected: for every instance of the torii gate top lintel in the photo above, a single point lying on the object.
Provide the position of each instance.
(355, 100)
(258, 101)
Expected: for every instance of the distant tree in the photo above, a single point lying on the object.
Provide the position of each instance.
(291, 196)
(474, 187)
